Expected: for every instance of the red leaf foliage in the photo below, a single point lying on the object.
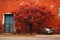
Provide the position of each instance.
(39, 16)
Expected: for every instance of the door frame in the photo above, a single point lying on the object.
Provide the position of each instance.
(4, 19)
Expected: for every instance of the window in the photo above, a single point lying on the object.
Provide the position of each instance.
(59, 11)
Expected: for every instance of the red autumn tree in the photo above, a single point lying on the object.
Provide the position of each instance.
(38, 16)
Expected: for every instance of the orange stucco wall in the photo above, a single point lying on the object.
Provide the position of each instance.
(11, 5)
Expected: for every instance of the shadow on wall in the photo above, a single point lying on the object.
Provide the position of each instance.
(30, 18)
(1, 27)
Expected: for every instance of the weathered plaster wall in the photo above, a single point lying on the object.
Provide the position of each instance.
(12, 5)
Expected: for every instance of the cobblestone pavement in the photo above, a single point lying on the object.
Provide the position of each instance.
(29, 37)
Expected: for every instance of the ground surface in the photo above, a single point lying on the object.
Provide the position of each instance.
(29, 37)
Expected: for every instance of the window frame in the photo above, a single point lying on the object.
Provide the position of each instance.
(58, 11)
